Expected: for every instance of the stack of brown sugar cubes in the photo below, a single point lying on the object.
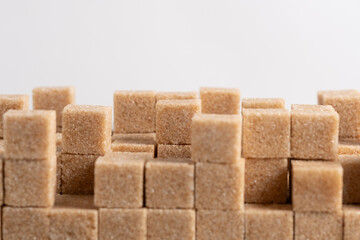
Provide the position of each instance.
(134, 121)
(216, 149)
(29, 173)
(347, 105)
(317, 182)
(266, 149)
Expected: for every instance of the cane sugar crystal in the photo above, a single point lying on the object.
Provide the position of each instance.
(220, 100)
(316, 186)
(77, 173)
(173, 224)
(134, 111)
(216, 138)
(8, 102)
(266, 133)
(53, 98)
(270, 222)
(25, 223)
(30, 135)
(314, 132)
(30, 183)
(266, 180)
(169, 184)
(219, 224)
(73, 217)
(122, 224)
(119, 181)
(173, 120)
(86, 129)
(318, 226)
(220, 186)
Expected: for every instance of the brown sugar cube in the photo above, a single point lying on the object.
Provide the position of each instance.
(266, 133)
(29, 134)
(77, 173)
(263, 103)
(134, 145)
(53, 98)
(314, 132)
(25, 223)
(30, 183)
(345, 148)
(73, 217)
(176, 95)
(8, 102)
(220, 186)
(347, 104)
(119, 181)
(122, 224)
(318, 226)
(169, 184)
(351, 178)
(270, 222)
(173, 151)
(266, 180)
(134, 137)
(220, 100)
(86, 129)
(351, 222)
(2, 148)
(170, 224)
(173, 120)
(134, 111)
(316, 186)
(218, 224)
(216, 138)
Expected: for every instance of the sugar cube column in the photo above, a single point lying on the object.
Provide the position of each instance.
(29, 173)
(219, 182)
(317, 183)
(86, 136)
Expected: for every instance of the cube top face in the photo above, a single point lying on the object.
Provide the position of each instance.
(53, 98)
(169, 185)
(214, 181)
(86, 129)
(176, 95)
(74, 201)
(312, 108)
(216, 138)
(220, 100)
(347, 105)
(266, 133)
(314, 132)
(263, 103)
(30, 134)
(173, 120)
(316, 186)
(267, 208)
(345, 148)
(173, 151)
(134, 111)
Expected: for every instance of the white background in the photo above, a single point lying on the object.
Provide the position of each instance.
(281, 48)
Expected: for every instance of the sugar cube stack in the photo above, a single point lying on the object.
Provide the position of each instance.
(179, 166)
